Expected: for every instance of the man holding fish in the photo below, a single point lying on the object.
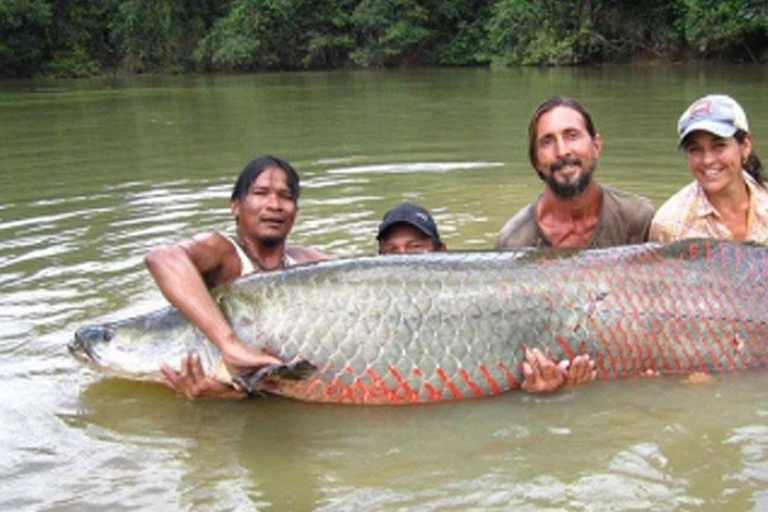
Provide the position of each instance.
(264, 203)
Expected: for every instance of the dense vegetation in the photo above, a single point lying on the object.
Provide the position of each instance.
(84, 37)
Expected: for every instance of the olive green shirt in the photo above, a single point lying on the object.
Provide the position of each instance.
(625, 218)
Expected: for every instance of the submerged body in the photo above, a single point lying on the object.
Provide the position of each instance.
(447, 326)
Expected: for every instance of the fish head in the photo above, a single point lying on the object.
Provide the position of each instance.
(87, 342)
(135, 348)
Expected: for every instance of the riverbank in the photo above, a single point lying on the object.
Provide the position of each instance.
(92, 37)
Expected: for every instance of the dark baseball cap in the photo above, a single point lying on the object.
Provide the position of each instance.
(411, 214)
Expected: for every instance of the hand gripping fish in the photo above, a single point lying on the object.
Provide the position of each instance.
(450, 326)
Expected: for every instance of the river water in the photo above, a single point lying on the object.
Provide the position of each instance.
(95, 173)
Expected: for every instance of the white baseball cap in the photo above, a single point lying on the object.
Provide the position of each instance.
(716, 113)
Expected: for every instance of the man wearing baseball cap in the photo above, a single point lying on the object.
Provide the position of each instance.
(728, 199)
(408, 228)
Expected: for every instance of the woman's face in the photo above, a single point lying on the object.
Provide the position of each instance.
(716, 163)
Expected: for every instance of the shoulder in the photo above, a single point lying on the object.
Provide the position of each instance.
(675, 217)
(215, 256)
(206, 250)
(625, 218)
(520, 230)
(680, 202)
(627, 207)
(627, 201)
(301, 254)
(215, 245)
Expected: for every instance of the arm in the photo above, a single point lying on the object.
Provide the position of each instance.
(178, 271)
(303, 254)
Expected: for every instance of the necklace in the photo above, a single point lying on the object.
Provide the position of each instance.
(258, 261)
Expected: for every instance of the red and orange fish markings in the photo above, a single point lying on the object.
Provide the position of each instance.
(605, 341)
(476, 390)
(602, 371)
(606, 351)
(675, 327)
(682, 341)
(311, 387)
(619, 336)
(733, 321)
(410, 394)
(613, 338)
(632, 315)
(658, 325)
(433, 394)
(334, 389)
(758, 341)
(717, 365)
(651, 322)
(360, 387)
(701, 363)
(495, 388)
(508, 375)
(565, 346)
(452, 387)
(665, 365)
(737, 304)
(650, 361)
(592, 314)
(378, 387)
(633, 358)
(713, 335)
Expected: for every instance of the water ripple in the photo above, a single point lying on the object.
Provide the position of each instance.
(413, 167)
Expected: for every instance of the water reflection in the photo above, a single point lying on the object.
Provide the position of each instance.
(593, 445)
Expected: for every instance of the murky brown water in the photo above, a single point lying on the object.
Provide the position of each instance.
(94, 173)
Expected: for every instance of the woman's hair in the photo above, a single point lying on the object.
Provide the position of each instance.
(752, 164)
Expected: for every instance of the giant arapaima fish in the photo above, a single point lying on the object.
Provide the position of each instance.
(449, 326)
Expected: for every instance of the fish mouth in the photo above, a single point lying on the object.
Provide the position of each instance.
(83, 346)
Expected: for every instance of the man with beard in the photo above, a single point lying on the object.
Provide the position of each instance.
(264, 203)
(573, 211)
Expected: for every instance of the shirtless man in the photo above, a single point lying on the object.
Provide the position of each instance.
(573, 211)
(264, 203)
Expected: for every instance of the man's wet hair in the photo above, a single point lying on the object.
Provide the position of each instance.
(551, 103)
(253, 170)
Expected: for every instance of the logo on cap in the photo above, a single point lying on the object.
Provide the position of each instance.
(700, 108)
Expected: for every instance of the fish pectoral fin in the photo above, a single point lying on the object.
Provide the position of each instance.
(254, 380)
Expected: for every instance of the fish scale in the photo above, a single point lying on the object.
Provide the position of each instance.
(450, 326)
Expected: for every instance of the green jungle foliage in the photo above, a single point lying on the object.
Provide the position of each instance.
(87, 37)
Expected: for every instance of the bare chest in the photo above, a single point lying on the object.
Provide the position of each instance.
(569, 233)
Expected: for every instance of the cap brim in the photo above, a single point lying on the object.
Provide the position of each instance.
(724, 130)
(384, 227)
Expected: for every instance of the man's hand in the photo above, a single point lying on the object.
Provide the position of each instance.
(237, 356)
(192, 383)
(581, 369)
(542, 374)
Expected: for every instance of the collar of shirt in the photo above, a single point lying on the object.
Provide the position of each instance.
(703, 207)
